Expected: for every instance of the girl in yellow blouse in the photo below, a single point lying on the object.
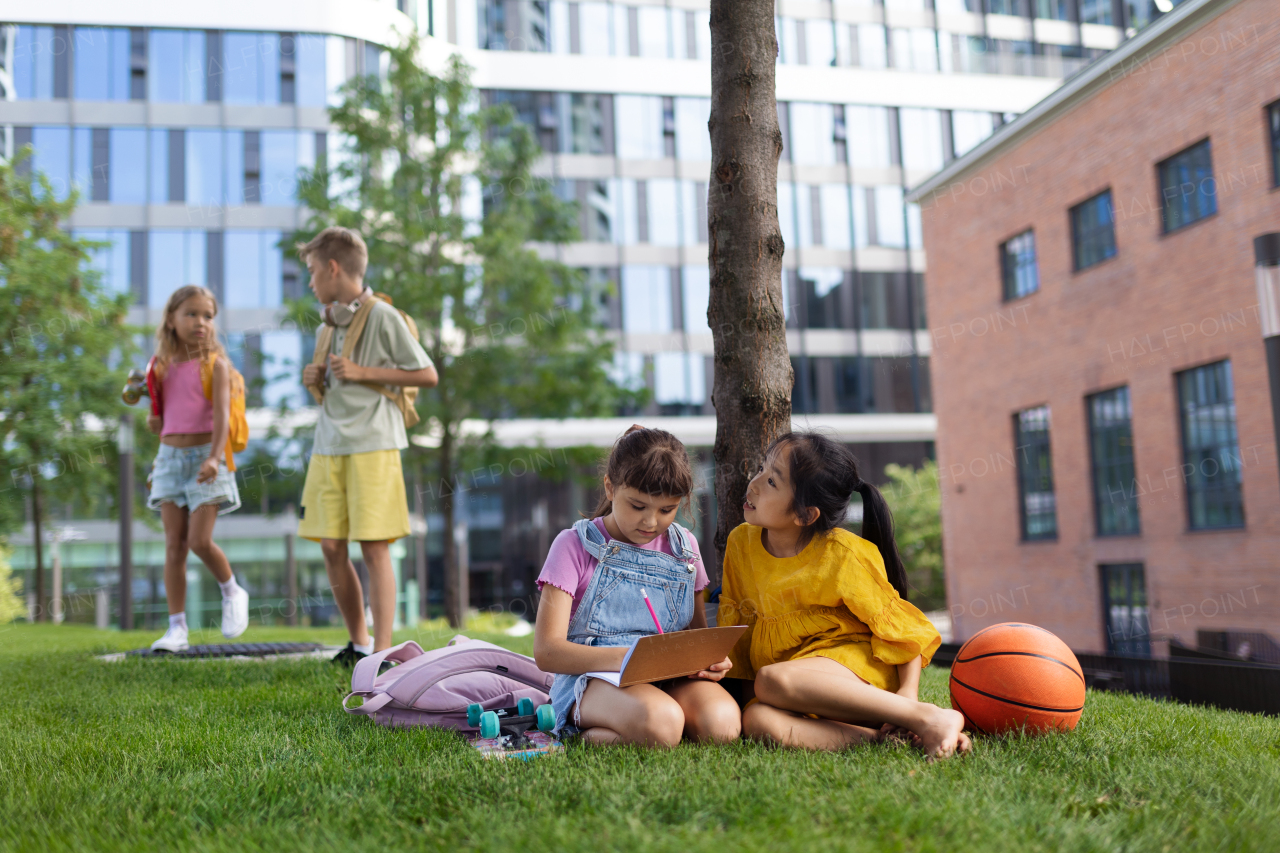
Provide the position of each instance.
(833, 642)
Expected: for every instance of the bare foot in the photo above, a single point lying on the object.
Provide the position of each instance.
(942, 736)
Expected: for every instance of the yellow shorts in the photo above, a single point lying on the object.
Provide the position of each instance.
(358, 497)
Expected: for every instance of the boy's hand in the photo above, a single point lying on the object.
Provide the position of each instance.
(313, 375)
(716, 671)
(155, 423)
(208, 471)
(345, 368)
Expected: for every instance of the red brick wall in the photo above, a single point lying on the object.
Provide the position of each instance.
(1124, 321)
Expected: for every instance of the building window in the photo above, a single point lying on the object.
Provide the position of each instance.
(102, 63)
(1187, 187)
(251, 68)
(176, 66)
(1095, 12)
(1035, 474)
(1093, 231)
(1210, 450)
(1273, 121)
(1018, 265)
(1053, 10)
(1124, 609)
(1115, 500)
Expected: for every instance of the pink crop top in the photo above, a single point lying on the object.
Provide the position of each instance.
(186, 411)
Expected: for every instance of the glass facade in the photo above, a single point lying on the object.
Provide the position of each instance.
(1037, 504)
(1210, 447)
(1093, 231)
(1187, 189)
(1115, 484)
(186, 66)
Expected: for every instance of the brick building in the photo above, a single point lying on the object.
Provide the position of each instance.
(1105, 423)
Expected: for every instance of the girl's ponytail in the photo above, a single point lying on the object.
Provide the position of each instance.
(877, 528)
(824, 475)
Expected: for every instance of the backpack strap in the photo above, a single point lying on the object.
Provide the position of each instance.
(206, 385)
(372, 704)
(366, 670)
(324, 341)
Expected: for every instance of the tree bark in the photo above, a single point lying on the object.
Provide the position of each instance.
(37, 510)
(753, 377)
(455, 610)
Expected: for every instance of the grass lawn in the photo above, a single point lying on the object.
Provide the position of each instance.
(172, 755)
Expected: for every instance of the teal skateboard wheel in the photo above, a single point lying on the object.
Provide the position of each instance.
(489, 725)
(473, 714)
(546, 718)
(524, 707)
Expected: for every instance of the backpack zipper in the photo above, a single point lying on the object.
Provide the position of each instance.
(431, 684)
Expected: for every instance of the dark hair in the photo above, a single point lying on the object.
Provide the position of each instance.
(824, 475)
(652, 461)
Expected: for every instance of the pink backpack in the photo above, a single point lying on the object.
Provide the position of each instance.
(434, 688)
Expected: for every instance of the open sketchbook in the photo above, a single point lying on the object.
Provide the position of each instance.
(658, 657)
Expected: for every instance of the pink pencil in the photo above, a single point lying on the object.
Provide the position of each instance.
(649, 604)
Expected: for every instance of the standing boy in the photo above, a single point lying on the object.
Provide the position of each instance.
(355, 485)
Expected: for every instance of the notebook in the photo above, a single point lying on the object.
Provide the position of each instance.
(658, 657)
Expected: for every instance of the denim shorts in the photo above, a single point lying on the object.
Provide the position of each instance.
(173, 480)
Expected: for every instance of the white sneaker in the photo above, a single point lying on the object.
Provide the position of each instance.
(174, 640)
(235, 614)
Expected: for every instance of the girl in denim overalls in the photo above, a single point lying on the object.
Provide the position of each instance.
(592, 609)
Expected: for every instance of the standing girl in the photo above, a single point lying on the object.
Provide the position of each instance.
(190, 482)
(592, 608)
(834, 648)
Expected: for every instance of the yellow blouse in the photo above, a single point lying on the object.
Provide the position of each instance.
(833, 600)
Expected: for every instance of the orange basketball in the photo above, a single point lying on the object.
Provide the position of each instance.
(1013, 676)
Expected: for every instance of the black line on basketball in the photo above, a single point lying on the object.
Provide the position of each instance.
(1012, 702)
(1020, 654)
(961, 709)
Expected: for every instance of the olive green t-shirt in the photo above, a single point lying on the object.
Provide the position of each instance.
(355, 418)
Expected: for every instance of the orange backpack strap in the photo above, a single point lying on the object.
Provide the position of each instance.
(324, 340)
(206, 380)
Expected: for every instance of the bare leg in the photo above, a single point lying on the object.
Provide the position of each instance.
(174, 518)
(200, 540)
(823, 687)
(641, 714)
(347, 592)
(382, 591)
(710, 713)
(787, 728)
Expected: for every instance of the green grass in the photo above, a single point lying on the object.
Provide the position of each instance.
(172, 755)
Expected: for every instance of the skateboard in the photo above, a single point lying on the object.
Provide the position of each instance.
(519, 732)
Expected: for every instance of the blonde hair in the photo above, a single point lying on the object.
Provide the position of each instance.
(168, 347)
(343, 245)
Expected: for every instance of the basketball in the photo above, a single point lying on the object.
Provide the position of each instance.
(1015, 676)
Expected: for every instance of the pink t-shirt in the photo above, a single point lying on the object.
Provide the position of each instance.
(569, 566)
(186, 409)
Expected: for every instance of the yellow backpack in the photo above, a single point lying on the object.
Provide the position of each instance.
(404, 397)
(237, 423)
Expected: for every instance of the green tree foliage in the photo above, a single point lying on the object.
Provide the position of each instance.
(11, 606)
(60, 332)
(915, 498)
(440, 187)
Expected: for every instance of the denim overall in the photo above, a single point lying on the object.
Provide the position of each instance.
(612, 611)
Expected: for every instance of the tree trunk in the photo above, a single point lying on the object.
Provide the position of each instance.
(455, 609)
(753, 378)
(37, 511)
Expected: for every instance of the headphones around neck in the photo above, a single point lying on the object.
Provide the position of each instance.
(338, 314)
